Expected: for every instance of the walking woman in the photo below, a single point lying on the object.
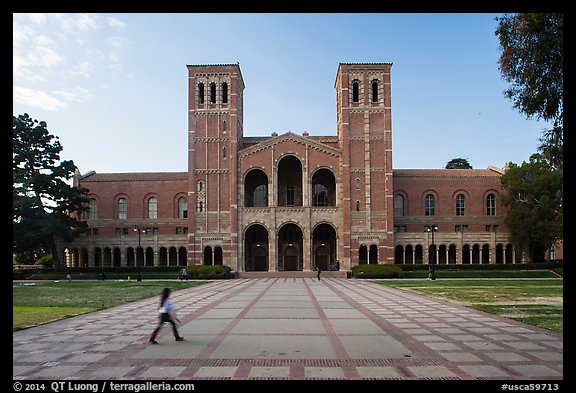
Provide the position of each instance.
(166, 313)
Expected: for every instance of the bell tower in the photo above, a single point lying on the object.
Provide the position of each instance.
(364, 125)
(215, 130)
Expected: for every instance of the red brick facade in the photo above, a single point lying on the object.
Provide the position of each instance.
(292, 202)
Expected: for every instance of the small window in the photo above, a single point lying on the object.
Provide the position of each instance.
(357, 183)
(460, 205)
(200, 207)
(357, 206)
(224, 93)
(224, 125)
(92, 209)
(212, 93)
(224, 152)
(355, 91)
(491, 205)
(200, 186)
(375, 91)
(122, 209)
(398, 205)
(152, 208)
(182, 207)
(429, 205)
(201, 93)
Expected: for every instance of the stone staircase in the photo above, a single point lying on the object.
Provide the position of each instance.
(292, 274)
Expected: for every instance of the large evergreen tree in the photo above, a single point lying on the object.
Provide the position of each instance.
(45, 205)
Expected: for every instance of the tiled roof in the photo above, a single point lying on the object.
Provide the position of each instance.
(490, 172)
(134, 176)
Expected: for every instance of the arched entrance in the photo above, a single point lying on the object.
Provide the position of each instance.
(324, 247)
(256, 249)
(290, 248)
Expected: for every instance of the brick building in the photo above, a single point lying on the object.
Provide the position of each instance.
(291, 202)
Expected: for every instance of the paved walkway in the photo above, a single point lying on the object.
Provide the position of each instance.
(278, 328)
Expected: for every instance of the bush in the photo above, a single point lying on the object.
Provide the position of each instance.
(45, 261)
(377, 271)
(202, 271)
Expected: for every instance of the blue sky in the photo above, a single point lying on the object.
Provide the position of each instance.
(113, 87)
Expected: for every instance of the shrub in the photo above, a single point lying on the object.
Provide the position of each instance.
(46, 261)
(377, 271)
(202, 271)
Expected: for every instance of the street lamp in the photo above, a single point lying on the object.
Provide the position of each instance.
(137, 229)
(432, 229)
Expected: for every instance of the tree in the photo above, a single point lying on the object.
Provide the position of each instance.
(532, 61)
(458, 163)
(535, 204)
(44, 206)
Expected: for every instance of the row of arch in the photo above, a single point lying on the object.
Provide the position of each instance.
(289, 248)
(129, 256)
(450, 254)
(431, 208)
(289, 187)
(213, 93)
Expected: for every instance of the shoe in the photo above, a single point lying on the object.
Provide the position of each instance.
(179, 338)
(152, 341)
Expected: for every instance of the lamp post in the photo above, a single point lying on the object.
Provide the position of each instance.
(137, 229)
(432, 274)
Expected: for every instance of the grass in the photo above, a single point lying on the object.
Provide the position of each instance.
(535, 302)
(44, 302)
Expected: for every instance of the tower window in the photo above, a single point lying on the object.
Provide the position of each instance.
(355, 91)
(375, 91)
(224, 152)
(224, 93)
(201, 93)
(212, 93)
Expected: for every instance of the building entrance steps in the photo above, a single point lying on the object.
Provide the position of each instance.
(291, 328)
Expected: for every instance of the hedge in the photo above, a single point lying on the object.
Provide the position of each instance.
(377, 271)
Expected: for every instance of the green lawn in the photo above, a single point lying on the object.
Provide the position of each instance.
(47, 301)
(536, 302)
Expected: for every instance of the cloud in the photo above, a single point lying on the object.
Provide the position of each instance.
(37, 99)
(56, 58)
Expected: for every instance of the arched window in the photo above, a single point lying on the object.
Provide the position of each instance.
(375, 91)
(182, 207)
(92, 209)
(355, 91)
(200, 207)
(256, 189)
(224, 92)
(398, 205)
(357, 206)
(323, 188)
(429, 205)
(357, 183)
(200, 186)
(460, 205)
(491, 205)
(212, 93)
(224, 125)
(201, 93)
(122, 209)
(224, 152)
(152, 208)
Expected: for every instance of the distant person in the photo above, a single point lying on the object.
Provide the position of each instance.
(318, 271)
(166, 313)
(69, 275)
(184, 274)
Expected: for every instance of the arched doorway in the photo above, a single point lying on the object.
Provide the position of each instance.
(289, 182)
(324, 247)
(256, 249)
(290, 248)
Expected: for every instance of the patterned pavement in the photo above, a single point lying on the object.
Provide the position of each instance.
(291, 329)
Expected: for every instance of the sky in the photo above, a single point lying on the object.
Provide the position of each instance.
(113, 87)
